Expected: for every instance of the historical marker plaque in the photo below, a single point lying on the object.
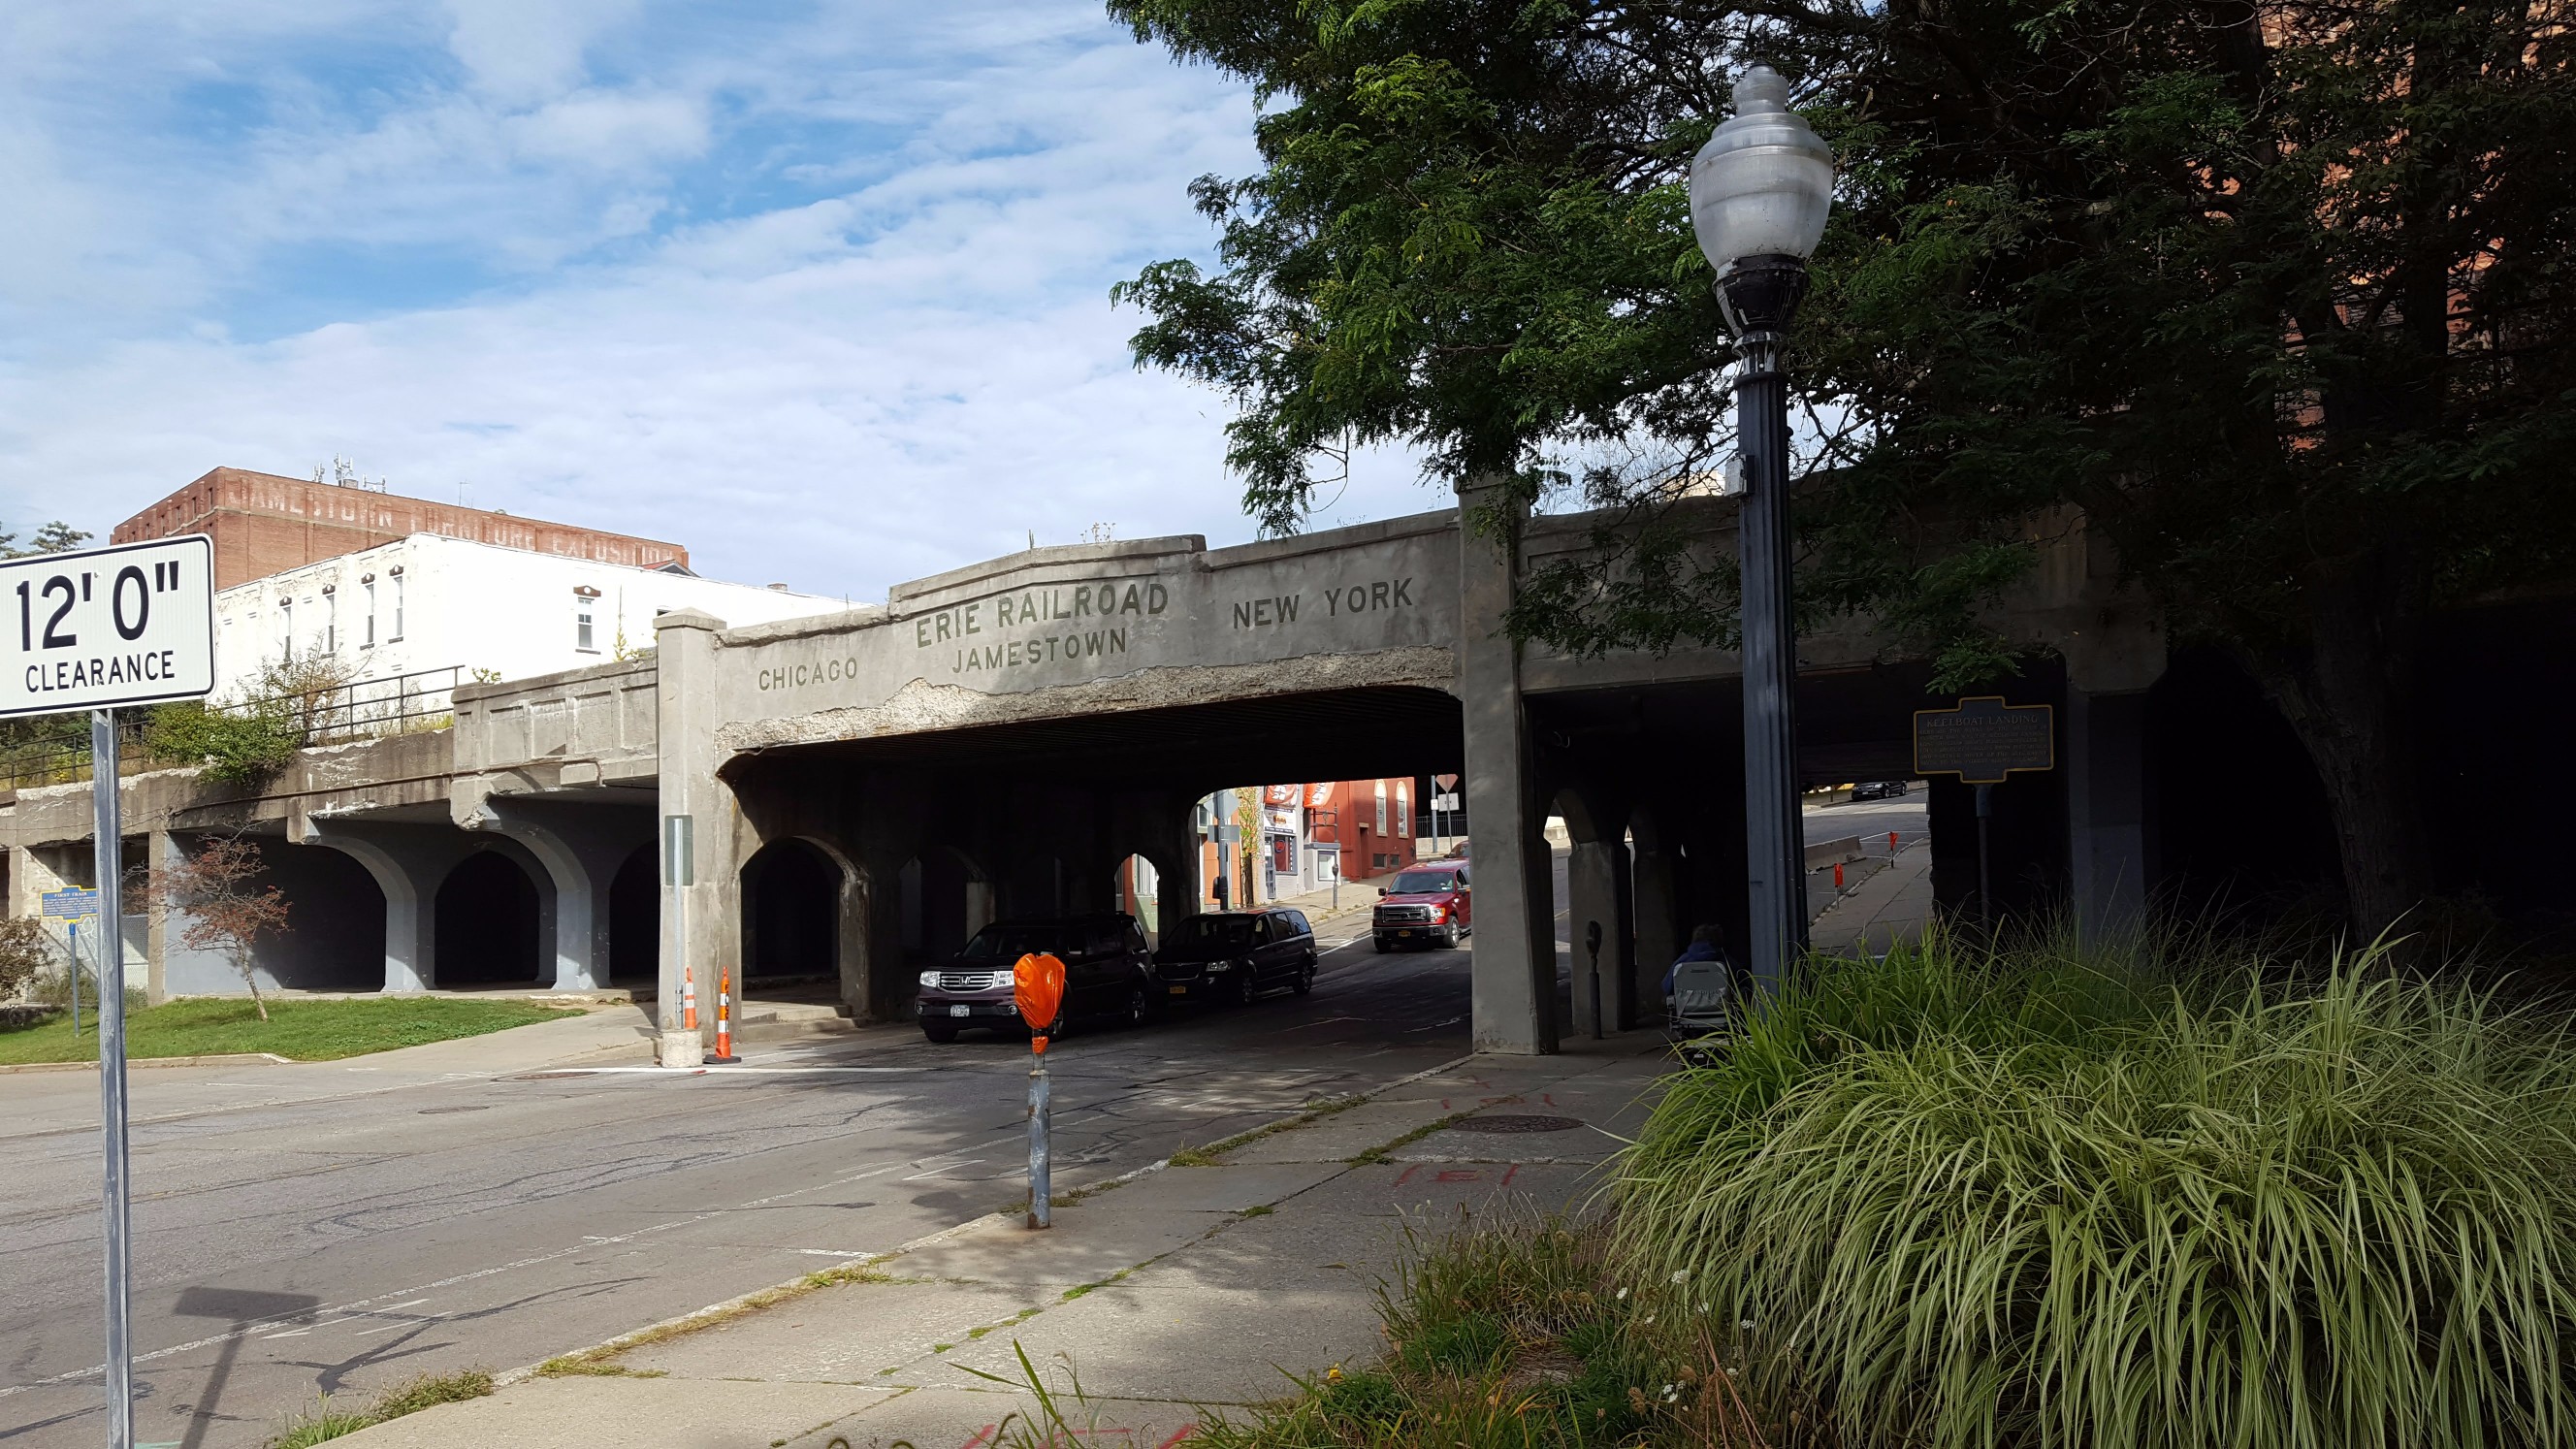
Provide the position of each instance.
(1984, 739)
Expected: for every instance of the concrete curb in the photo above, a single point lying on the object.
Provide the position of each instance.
(740, 1301)
(229, 1059)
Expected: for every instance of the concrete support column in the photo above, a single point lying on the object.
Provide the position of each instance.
(702, 921)
(161, 851)
(1655, 904)
(874, 984)
(2106, 844)
(408, 862)
(1514, 991)
(1167, 843)
(1597, 890)
(580, 847)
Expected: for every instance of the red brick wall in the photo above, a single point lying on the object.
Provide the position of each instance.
(264, 524)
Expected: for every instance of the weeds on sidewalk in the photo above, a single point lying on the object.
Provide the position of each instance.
(1214, 1153)
(601, 1361)
(1512, 1336)
(408, 1397)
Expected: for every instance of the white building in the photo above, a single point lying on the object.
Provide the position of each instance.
(429, 604)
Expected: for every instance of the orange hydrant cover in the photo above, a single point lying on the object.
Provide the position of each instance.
(1037, 984)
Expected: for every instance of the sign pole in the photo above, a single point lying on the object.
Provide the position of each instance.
(74, 976)
(101, 630)
(1037, 989)
(110, 861)
(1985, 814)
(1041, 1156)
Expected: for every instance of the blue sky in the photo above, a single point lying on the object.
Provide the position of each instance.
(819, 289)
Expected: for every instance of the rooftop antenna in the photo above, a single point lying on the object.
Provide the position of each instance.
(1033, 540)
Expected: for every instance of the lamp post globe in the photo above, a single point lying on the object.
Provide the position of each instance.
(1763, 183)
(1760, 191)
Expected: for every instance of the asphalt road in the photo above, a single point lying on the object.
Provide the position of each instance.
(310, 1230)
(1871, 820)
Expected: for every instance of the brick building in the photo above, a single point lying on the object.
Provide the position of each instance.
(263, 524)
(1370, 822)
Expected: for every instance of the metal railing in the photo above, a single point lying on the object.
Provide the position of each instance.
(398, 704)
(424, 699)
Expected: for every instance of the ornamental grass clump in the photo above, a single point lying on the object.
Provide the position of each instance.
(2009, 1197)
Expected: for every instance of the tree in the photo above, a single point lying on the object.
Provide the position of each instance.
(26, 949)
(2275, 295)
(54, 537)
(43, 740)
(218, 888)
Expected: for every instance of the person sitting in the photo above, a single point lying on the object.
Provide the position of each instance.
(1707, 943)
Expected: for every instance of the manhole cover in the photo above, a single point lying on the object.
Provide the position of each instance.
(1515, 1124)
(441, 1111)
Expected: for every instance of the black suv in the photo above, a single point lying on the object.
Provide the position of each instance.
(1108, 971)
(1237, 955)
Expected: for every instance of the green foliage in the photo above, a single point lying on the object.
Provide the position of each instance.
(304, 1030)
(1509, 1335)
(54, 537)
(1973, 1198)
(1449, 246)
(26, 950)
(2273, 301)
(237, 748)
(426, 1391)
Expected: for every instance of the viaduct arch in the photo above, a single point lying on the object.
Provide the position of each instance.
(998, 738)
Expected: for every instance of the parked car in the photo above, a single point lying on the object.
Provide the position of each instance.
(1880, 790)
(1237, 955)
(1108, 971)
(1425, 905)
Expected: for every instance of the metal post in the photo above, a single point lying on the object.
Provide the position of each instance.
(75, 978)
(1041, 1190)
(1759, 299)
(1985, 812)
(110, 860)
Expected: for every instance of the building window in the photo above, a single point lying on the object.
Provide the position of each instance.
(286, 625)
(330, 621)
(1404, 808)
(1381, 807)
(370, 641)
(585, 636)
(396, 635)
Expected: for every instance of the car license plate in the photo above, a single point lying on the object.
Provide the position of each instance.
(961, 1010)
(1404, 933)
(1180, 991)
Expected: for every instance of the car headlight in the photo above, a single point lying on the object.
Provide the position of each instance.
(929, 978)
(1216, 966)
(1439, 913)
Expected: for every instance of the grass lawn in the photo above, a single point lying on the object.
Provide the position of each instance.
(311, 1031)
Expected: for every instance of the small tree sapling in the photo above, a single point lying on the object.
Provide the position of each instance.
(217, 887)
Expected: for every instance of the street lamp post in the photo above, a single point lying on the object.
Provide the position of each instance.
(1759, 193)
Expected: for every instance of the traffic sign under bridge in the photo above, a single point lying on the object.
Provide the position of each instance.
(1984, 739)
(109, 627)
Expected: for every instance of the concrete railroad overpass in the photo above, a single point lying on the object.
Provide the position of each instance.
(997, 739)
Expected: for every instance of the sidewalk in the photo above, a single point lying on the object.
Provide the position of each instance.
(67, 1101)
(1887, 907)
(1185, 1291)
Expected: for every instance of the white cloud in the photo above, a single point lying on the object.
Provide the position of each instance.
(523, 51)
(827, 302)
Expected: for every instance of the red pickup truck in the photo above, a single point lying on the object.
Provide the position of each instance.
(1425, 905)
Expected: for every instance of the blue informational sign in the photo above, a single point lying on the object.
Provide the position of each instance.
(70, 904)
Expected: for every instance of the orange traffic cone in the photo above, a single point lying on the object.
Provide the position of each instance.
(724, 1056)
(688, 998)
